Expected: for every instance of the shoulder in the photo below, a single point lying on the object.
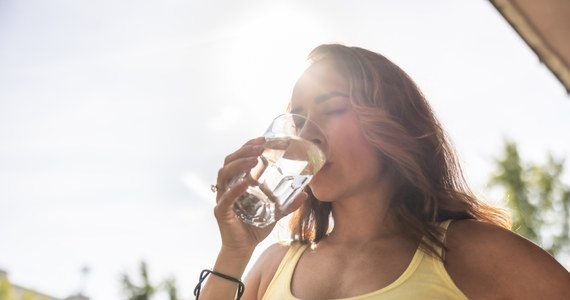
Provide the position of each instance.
(272, 256)
(265, 268)
(470, 235)
(483, 258)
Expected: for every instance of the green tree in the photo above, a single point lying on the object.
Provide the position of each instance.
(170, 287)
(5, 289)
(145, 290)
(538, 198)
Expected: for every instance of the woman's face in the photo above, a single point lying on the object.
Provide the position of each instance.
(353, 165)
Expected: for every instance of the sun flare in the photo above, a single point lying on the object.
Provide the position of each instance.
(266, 54)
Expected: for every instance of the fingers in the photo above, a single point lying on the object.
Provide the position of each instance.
(228, 198)
(241, 160)
(230, 186)
(252, 146)
(234, 169)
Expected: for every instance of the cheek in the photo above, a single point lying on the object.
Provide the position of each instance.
(363, 157)
(354, 159)
(359, 155)
(354, 145)
(351, 156)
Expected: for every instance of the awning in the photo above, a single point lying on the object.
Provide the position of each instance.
(545, 26)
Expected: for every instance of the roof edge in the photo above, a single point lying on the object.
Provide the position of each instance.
(520, 23)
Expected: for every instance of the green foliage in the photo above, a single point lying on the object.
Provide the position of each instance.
(5, 289)
(139, 292)
(538, 198)
(170, 287)
(146, 290)
(7, 292)
(29, 295)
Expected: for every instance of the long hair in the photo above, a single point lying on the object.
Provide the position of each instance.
(398, 121)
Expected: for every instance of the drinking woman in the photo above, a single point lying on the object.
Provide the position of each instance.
(389, 216)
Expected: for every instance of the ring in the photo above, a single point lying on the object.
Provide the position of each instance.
(214, 188)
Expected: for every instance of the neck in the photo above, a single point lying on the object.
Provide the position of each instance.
(363, 218)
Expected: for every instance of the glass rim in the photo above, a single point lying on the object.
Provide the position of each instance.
(323, 146)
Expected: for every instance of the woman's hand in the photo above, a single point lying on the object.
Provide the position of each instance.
(237, 236)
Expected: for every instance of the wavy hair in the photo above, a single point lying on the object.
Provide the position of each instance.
(398, 121)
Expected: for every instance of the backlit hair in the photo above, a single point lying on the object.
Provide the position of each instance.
(398, 121)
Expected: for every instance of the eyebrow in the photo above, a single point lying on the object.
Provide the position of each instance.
(327, 96)
(322, 98)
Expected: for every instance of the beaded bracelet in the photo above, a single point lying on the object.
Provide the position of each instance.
(206, 272)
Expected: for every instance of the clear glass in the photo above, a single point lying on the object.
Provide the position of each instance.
(294, 152)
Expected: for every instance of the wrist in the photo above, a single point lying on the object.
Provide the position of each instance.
(236, 252)
(204, 274)
(232, 261)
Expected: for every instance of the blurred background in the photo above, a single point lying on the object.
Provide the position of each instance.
(116, 115)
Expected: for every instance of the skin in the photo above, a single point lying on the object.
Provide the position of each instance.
(485, 261)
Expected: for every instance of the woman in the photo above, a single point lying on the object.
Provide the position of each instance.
(389, 216)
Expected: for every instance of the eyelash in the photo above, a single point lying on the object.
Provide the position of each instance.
(335, 111)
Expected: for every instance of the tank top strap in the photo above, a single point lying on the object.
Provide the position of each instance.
(295, 251)
(279, 286)
(444, 226)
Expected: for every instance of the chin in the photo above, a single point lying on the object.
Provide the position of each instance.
(321, 193)
(320, 188)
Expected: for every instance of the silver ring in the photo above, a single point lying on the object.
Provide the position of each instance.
(214, 188)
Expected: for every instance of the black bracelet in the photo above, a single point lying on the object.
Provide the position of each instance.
(206, 272)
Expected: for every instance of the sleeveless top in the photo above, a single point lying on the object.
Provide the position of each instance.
(424, 278)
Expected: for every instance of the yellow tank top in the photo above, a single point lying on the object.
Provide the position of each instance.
(424, 278)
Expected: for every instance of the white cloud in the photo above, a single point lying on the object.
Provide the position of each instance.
(199, 186)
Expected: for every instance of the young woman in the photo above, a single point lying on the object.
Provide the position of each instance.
(389, 216)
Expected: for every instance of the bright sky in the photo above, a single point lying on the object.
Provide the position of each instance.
(116, 115)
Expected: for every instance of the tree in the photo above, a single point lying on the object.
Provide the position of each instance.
(9, 292)
(170, 287)
(538, 199)
(145, 290)
(5, 289)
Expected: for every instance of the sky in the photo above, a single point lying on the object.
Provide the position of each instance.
(116, 115)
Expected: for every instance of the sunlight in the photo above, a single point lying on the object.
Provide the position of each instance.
(266, 54)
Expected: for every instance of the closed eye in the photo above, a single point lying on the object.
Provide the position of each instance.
(335, 111)
(324, 97)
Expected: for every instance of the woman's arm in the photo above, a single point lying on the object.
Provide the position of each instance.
(488, 262)
(231, 263)
(238, 239)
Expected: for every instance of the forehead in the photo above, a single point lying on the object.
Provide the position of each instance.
(318, 79)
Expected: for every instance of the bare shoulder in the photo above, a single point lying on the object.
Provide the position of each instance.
(270, 259)
(264, 269)
(487, 261)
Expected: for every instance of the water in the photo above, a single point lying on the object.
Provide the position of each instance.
(284, 169)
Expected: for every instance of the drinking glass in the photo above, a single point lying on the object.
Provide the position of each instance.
(294, 152)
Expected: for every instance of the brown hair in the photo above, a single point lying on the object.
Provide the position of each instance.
(398, 121)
